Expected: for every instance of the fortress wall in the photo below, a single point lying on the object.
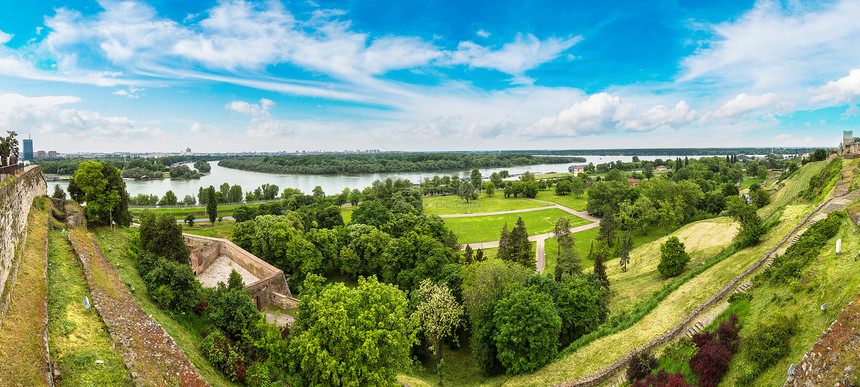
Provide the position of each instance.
(16, 196)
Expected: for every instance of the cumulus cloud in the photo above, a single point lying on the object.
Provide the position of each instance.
(743, 103)
(483, 34)
(129, 93)
(5, 38)
(263, 123)
(839, 91)
(46, 115)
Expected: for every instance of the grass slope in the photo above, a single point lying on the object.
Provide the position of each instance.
(570, 201)
(222, 229)
(22, 350)
(487, 228)
(78, 336)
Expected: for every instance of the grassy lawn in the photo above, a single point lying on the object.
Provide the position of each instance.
(570, 201)
(793, 187)
(222, 229)
(487, 228)
(346, 213)
(453, 204)
(830, 279)
(78, 336)
(22, 351)
(748, 182)
(185, 329)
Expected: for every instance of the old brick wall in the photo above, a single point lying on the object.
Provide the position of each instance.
(16, 196)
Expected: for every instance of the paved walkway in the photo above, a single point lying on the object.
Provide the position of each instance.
(540, 239)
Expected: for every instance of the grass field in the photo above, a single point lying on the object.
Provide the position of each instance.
(185, 329)
(78, 336)
(452, 204)
(222, 229)
(22, 351)
(830, 279)
(487, 228)
(606, 350)
(748, 182)
(570, 201)
(793, 186)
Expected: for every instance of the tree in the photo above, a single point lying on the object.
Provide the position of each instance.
(318, 193)
(202, 166)
(491, 189)
(211, 205)
(231, 311)
(466, 191)
(606, 196)
(577, 186)
(751, 229)
(372, 212)
(582, 305)
(600, 266)
(530, 189)
(475, 178)
(673, 257)
(188, 200)
(235, 194)
(624, 251)
(235, 281)
(169, 199)
(59, 193)
(189, 220)
(163, 236)
(350, 336)
(8, 146)
(563, 187)
(616, 175)
(438, 314)
(496, 179)
(100, 185)
(526, 331)
(519, 248)
(568, 261)
(468, 255)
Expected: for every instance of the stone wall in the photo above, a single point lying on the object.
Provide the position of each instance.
(271, 290)
(16, 196)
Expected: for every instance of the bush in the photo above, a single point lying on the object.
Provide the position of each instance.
(641, 365)
(715, 351)
(673, 257)
(800, 254)
(224, 355)
(769, 341)
(163, 236)
(662, 379)
(163, 296)
(231, 311)
(179, 279)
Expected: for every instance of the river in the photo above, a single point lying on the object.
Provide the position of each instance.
(331, 184)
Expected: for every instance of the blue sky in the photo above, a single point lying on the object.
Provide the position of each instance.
(432, 75)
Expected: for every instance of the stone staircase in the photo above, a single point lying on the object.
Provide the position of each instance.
(744, 287)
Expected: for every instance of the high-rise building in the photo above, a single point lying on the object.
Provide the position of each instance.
(41, 154)
(52, 153)
(28, 149)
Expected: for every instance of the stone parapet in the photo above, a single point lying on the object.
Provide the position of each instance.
(16, 196)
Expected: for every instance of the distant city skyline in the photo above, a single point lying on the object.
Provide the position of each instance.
(243, 76)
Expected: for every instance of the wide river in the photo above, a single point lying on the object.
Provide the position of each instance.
(331, 184)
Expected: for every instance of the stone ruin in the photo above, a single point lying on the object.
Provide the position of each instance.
(213, 259)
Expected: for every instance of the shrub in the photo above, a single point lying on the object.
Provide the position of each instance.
(662, 379)
(673, 257)
(715, 351)
(224, 355)
(176, 277)
(526, 331)
(641, 365)
(163, 296)
(163, 236)
(769, 341)
(231, 311)
(200, 308)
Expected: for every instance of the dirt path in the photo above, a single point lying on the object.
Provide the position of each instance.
(150, 354)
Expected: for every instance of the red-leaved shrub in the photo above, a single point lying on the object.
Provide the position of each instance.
(662, 379)
(640, 365)
(715, 350)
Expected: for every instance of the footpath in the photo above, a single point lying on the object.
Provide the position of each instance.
(150, 354)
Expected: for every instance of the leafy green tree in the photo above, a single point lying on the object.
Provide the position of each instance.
(562, 232)
(211, 205)
(504, 252)
(235, 194)
(582, 305)
(279, 240)
(189, 220)
(475, 178)
(188, 200)
(530, 189)
(673, 257)
(101, 187)
(350, 336)
(372, 213)
(59, 193)
(563, 187)
(491, 189)
(163, 236)
(235, 282)
(179, 290)
(606, 196)
(568, 262)
(8, 146)
(318, 193)
(202, 166)
(526, 331)
(466, 191)
(437, 314)
(751, 229)
(496, 179)
(624, 251)
(231, 311)
(616, 175)
(169, 199)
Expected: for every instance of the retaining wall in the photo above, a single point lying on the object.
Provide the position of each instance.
(16, 196)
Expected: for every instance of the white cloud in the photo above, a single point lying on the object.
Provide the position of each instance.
(840, 91)
(742, 104)
(45, 115)
(777, 46)
(5, 38)
(483, 34)
(524, 53)
(263, 123)
(131, 92)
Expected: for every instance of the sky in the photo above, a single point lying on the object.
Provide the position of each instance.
(434, 75)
